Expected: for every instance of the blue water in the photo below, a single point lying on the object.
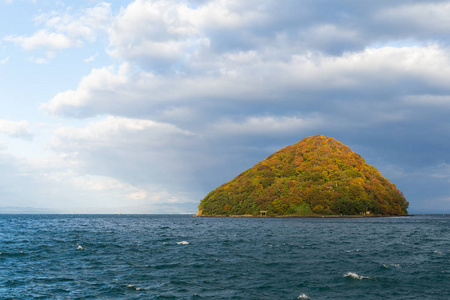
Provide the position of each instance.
(182, 257)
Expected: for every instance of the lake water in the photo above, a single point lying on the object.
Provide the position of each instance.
(182, 257)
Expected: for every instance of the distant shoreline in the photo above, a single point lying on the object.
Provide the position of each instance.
(304, 217)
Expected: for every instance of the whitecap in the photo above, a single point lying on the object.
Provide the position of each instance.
(354, 251)
(303, 296)
(133, 287)
(355, 276)
(183, 243)
(391, 266)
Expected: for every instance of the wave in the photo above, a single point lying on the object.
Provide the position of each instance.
(131, 286)
(355, 276)
(163, 265)
(391, 266)
(357, 250)
(12, 254)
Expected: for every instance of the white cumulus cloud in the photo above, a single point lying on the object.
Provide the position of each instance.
(43, 39)
(117, 132)
(62, 30)
(251, 77)
(17, 129)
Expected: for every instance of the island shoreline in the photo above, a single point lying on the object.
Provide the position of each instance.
(303, 217)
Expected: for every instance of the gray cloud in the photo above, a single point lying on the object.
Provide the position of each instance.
(137, 151)
(220, 85)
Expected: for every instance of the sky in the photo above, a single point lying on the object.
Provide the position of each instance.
(146, 106)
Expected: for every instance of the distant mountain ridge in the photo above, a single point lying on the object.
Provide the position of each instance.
(316, 176)
(25, 210)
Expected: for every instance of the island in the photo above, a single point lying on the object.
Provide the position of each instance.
(318, 176)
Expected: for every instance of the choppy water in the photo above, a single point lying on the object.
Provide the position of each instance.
(181, 257)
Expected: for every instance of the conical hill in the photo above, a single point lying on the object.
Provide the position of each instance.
(316, 176)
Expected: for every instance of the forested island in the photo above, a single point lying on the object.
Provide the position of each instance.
(317, 176)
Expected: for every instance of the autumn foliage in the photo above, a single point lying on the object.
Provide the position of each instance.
(316, 176)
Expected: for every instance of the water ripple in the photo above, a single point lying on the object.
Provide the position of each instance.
(180, 257)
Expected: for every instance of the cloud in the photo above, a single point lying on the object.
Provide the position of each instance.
(99, 80)
(136, 151)
(267, 125)
(137, 195)
(332, 39)
(186, 31)
(65, 30)
(200, 86)
(244, 105)
(63, 188)
(89, 59)
(16, 129)
(425, 186)
(121, 131)
(248, 78)
(43, 39)
(4, 61)
(421, 19)
(175, 31)
(84, 24)
(178, 31)
(442, 171)
(430, 101)
(167, 37)
(61, 179)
